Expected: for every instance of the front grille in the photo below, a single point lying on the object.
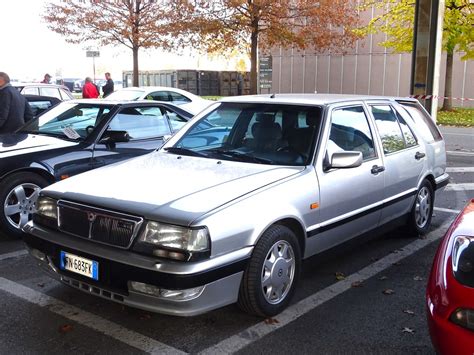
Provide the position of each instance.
(96, 224)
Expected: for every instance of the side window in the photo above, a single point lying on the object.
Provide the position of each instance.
(178, 98)
(158, 96)
(389, 128)
(30, 91)
(64, 95)
(350, 131)
(424, 123)
(141, 122)
(39, 106)
(52, 92)
(408, 135)
(176, 121)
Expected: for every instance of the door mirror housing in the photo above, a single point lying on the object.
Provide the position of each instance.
(110, 137)
(345, 160)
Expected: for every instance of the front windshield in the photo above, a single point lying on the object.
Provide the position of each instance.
(125, 95)
(67, 120)
(256, 133)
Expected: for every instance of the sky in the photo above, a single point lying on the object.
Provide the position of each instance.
(28, 50)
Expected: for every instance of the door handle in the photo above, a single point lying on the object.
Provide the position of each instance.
(419, 155)
(377, 169)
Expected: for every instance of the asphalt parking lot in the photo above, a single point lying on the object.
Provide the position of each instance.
(364, 297)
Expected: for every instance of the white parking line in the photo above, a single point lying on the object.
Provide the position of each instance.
(87, 319)
(464, 169)
(258, 331)
(460, 152)
(460, 187)
(446, 210)
(14, 254)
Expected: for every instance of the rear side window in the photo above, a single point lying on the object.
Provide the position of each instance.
(394, 132)
(424, 123)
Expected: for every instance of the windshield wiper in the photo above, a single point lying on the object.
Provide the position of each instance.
(184, 151)
(241, 156)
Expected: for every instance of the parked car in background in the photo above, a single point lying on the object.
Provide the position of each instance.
(61, 92)
(73, 84)
(229, 207)
(73, 137)
(450, 291)
(182, 98)
(40, 104)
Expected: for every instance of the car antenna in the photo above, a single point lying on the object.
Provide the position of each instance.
(272, 96)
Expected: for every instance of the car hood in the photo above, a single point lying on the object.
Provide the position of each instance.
(170, 188)
(22, 143)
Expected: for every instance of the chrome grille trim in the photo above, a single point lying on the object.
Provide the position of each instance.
(97, 224)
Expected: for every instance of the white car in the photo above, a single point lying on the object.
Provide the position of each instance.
(185, 99)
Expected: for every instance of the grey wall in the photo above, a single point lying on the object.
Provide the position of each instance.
(365, 69)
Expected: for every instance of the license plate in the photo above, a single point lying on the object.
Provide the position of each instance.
(79, 265)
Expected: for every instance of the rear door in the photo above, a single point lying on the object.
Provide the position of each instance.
(351, 199)
(404, 159)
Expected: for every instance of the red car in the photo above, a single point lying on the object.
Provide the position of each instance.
(450, 291)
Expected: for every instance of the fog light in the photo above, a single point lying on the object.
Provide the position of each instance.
(172, 295)
(464, 318)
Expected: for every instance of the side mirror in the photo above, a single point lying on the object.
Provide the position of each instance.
(110, 137)
(345, 160)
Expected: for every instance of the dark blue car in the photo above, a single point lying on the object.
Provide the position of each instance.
(73, 137)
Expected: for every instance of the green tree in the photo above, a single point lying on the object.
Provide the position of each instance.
(133, 23)
(224, 25)
(397, 20)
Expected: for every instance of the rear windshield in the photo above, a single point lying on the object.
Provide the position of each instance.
(425, 124)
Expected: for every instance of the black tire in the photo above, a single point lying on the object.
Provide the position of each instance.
(419, 220)
(251, 294)
(10, 219)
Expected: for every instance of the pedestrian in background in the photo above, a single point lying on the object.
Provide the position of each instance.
(14, 109)
(46, 79)
(108, 88)
(89, 90)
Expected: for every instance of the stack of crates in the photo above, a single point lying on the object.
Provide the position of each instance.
(199, 82)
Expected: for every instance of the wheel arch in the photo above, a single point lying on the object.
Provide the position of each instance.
(295, 226)
(34, 170)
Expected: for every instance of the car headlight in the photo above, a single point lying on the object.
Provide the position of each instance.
(175, 242)
(46, 212)
(462, 258)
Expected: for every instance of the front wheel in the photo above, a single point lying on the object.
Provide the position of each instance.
(18, 195)
(271, 276)
(422, 210)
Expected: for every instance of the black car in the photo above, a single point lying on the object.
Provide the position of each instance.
(40, 104)
(73, 137)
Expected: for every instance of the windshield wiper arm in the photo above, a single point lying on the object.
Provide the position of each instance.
(241, 156)
(184, 151)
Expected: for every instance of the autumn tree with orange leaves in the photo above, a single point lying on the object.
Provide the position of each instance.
(252, 25)
(135, 24)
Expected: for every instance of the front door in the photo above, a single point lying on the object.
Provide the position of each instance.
(351, 198)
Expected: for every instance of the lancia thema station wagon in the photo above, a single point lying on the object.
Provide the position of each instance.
(229, 207)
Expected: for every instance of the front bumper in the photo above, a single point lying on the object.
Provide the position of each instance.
(447, 337)
(220, 276)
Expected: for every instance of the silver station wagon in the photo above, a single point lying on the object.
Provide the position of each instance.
(230, 206)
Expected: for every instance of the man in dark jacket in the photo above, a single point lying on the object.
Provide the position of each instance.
(14, 109)
(108, 88)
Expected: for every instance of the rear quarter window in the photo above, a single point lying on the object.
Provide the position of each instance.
(424, 123)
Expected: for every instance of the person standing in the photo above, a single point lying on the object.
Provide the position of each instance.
(14, 109)
(46, 79)
(108, 88)
(89, 90)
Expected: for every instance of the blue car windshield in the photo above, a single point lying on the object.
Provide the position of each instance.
(256, 133)
(68, 120)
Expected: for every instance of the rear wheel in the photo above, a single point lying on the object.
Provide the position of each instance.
(271, 276)
(422, 210)
(18, 195)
